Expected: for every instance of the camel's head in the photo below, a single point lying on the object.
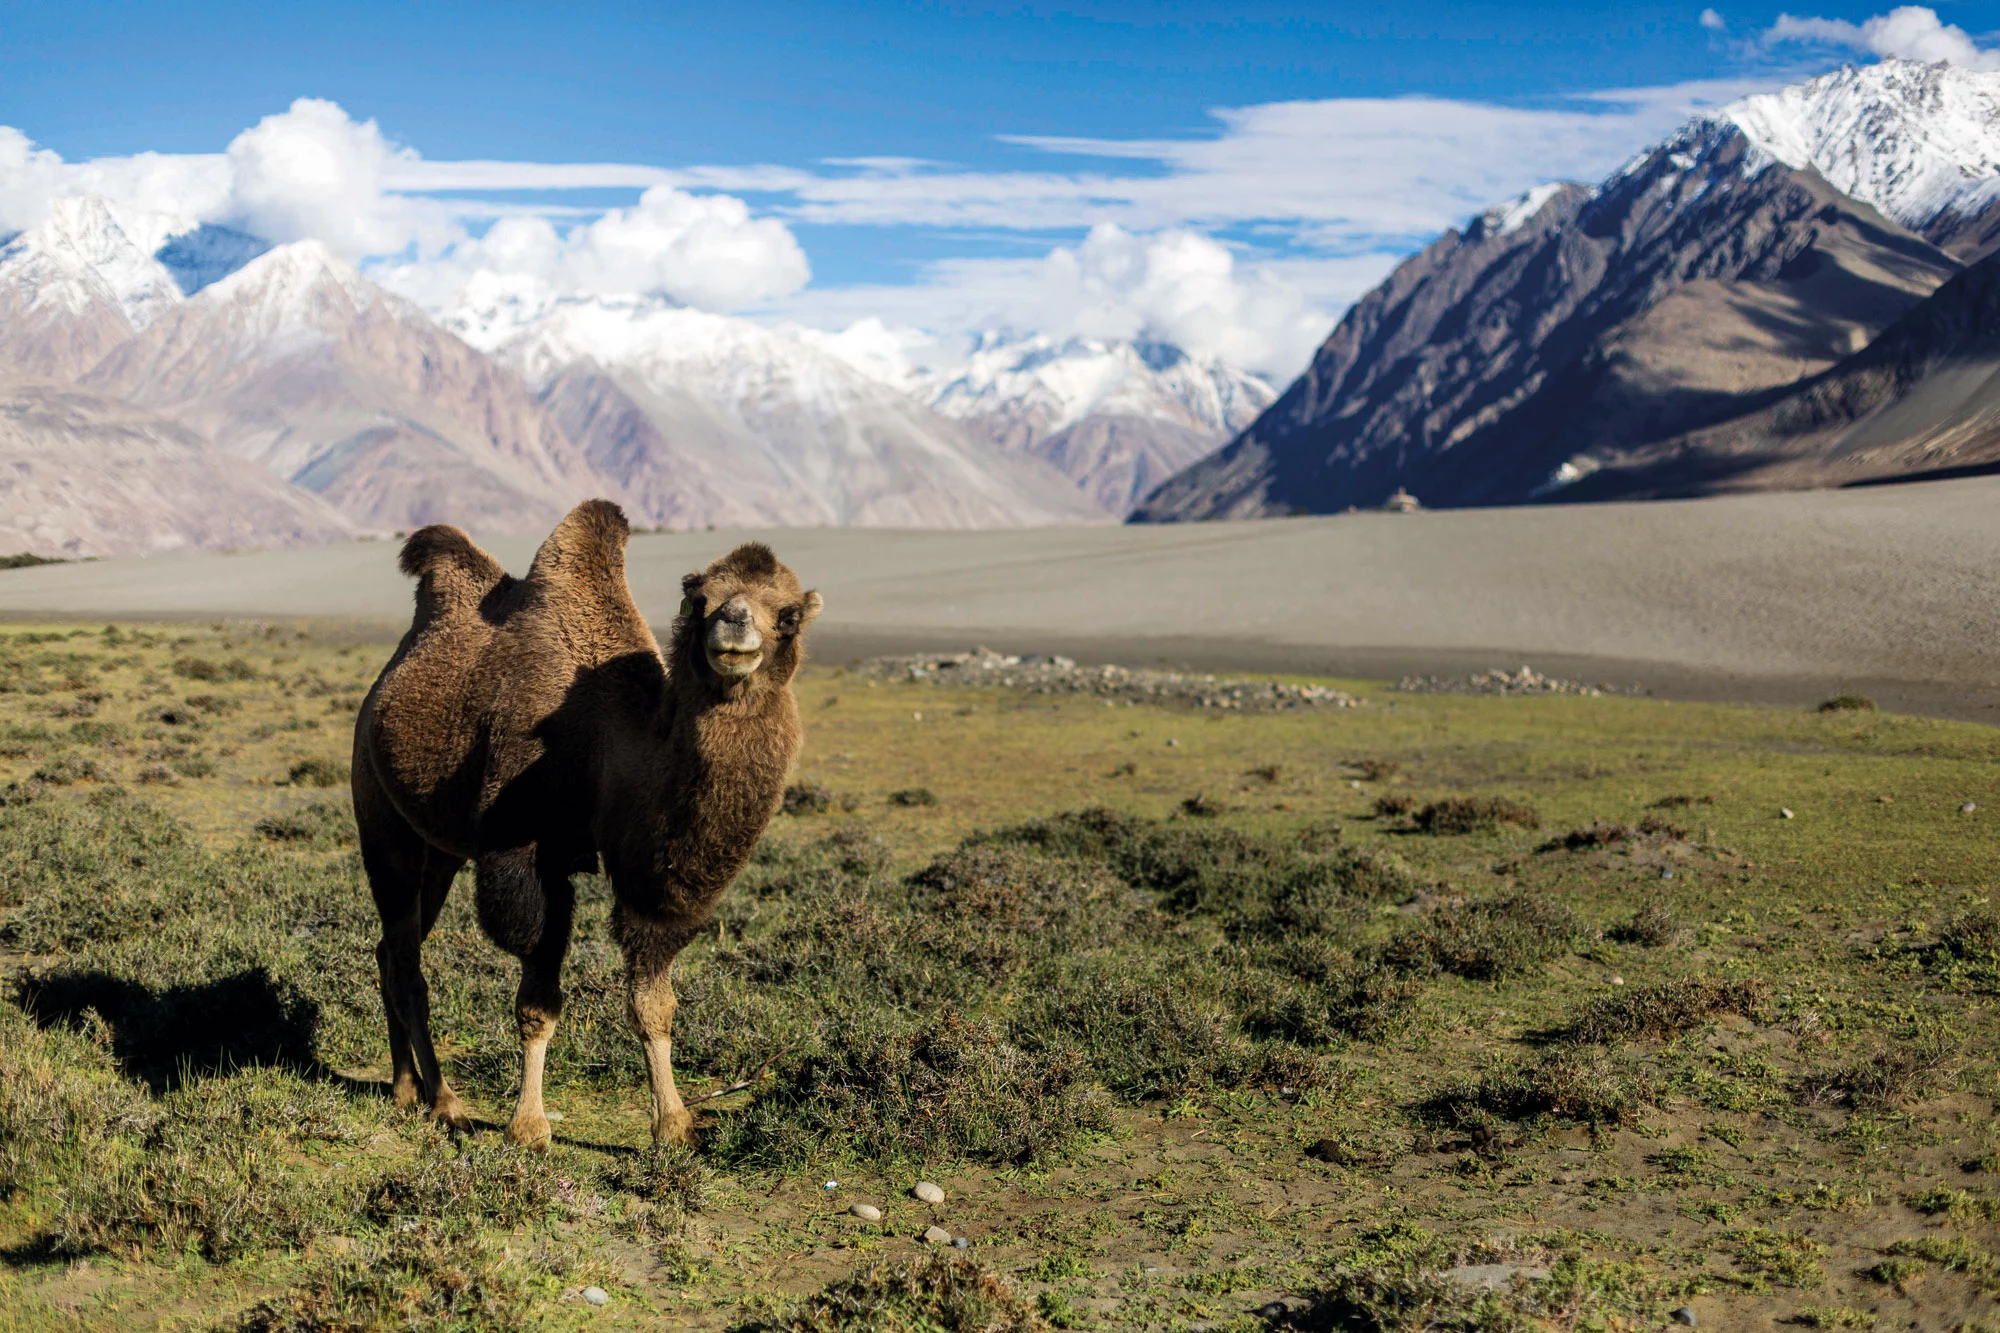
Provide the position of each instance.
(743, 616)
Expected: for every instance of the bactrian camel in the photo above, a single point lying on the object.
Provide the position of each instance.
(533, 727)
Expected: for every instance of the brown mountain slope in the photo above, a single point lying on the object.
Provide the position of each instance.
(1502, 364)
(300, 363)
(82, 475)
(1923, 397)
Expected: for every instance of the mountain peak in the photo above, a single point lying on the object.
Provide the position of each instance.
(1914, 140)
(85, 253)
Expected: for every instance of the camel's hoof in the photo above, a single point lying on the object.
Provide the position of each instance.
(406, 1094)
(676, 1129)
(453, 1115)
(529, 1133)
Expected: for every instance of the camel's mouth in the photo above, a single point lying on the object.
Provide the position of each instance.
(735, 663)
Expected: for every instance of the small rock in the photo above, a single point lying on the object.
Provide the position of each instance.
(1667, 872)
(1617, 980)
(1334, 1151)
(831, 1185)
(1684, 1315)
(1886, 800)
(1273, 1312)
(916, 717)
(928, 1192)
(961, 1243)
(597, 1295)
(1967, 808)
(554, 1116)
(867, 1212)
(1173, 740)
(935, 1235)
(1784, 813)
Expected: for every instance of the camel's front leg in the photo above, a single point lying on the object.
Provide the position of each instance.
(652, 1002)
(650, 950)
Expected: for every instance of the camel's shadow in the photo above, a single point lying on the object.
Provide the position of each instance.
(167, 1036)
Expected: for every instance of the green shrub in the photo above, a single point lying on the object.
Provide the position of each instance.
(1569, 1084)
(1665, 1011)
(321, 824)
(317, 773)
(425, 1278)
(1848, 703)
(1485, 939)
(1475, 814)
(951, 1089)
(936, 1293)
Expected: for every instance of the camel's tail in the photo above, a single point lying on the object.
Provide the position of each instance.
(450, 570)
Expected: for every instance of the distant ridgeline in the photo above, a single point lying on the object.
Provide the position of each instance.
(1798, 290)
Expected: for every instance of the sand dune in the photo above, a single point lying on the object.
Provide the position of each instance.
(1767, 596)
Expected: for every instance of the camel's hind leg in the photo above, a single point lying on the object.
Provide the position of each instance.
(650, 950)
(409, 879)
(526, 906)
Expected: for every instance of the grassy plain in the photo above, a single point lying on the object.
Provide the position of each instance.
(1200, 1019)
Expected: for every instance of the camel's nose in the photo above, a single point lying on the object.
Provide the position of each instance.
(736, 611)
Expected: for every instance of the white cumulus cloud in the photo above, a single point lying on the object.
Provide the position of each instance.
(1712, 21)
(1911, 32)
(705, 250)
(313, 171)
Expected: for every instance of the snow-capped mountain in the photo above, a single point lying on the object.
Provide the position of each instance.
(1917, 141)
(1546, 350)
(705, 418)
(1116, 417)
(299, 362)
(74, 287)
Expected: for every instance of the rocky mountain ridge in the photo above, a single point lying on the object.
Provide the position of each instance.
(1529, 356)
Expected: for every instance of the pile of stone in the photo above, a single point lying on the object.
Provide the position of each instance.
(1059, 675)
(1525, 681)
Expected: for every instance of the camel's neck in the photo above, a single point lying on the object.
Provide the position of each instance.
(713, 781)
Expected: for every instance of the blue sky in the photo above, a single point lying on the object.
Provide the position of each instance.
(921, 161)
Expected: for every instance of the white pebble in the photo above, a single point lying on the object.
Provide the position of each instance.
(928, 1192)
(916, 717)
(936, 1236)
(867, 1212)
(1967, 808)
(554, 1116)
(1784, 813)
(1172, 740)
(832, 1184)
(1617, 980)
(597, 1295)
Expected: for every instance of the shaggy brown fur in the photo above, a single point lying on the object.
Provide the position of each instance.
(532, 726)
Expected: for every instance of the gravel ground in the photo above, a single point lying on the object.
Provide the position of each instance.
(1525, 681)
(1060, 675)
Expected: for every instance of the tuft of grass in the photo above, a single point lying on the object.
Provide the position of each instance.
(1682, 801)
(1375, 770)
(1652, 926)
(1665, 1011)
(1912, 1071)
(1770, 1257)
(807, 798)
(1485, 939)
(1569, 1084)
(1394, 806)
(316, 773)
(474, 1181)
(1831, 1316)
(1144, 1035)
(1475, 814)
(910, 797)
(1847, 703)
(207, 669)
(321, 824)
(428, 1277)
(937, 1293)
(951, 1089)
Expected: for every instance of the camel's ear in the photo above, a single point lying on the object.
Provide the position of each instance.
(814, 605)
(691, 598)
